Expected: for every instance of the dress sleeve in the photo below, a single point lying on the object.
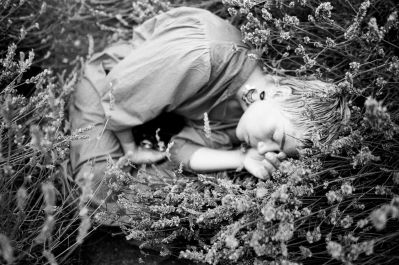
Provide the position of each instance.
(157, 76)
(190, 139)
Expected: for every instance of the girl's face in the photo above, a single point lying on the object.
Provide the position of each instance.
(263, 126)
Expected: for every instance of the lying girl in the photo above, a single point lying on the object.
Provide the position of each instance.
(190, 62)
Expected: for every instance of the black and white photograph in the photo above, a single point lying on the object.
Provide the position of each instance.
(247, 132)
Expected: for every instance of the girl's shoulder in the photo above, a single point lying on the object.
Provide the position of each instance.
(216, 28)
(192, 12)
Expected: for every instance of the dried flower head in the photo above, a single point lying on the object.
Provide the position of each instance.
(6, 250)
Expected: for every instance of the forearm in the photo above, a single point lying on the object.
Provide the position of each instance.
(207, 159)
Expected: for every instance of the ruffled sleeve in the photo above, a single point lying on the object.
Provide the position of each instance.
(158, 75)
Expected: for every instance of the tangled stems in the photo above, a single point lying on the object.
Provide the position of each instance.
(338, 202)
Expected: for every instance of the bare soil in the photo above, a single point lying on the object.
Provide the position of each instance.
(107, 247)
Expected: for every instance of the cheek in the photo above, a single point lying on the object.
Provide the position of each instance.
(257, 133)
(239, 130)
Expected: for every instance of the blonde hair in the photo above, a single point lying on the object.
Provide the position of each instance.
(318, 107)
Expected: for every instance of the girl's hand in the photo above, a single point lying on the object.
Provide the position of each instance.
(145, 156)
(262, 165)
(140, 155)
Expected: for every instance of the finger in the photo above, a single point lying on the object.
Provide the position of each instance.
(282, 156)
(146, 156)
(263, 148)
(154, 156)
(261, 173)
(160, 156)
(272, 158)
(257, 170)
(268, 167)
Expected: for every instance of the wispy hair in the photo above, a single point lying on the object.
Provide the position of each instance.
(320, 108)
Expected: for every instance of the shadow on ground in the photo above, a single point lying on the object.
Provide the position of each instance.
(106, 247)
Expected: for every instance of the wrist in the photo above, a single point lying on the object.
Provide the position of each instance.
(242, 155)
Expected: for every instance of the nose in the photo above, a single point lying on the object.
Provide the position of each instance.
(264, 147)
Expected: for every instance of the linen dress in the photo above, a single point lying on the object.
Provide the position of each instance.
(187, 61)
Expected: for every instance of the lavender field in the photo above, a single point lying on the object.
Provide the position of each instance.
(335, 204)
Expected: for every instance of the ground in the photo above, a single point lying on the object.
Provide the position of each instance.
(106, 247)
